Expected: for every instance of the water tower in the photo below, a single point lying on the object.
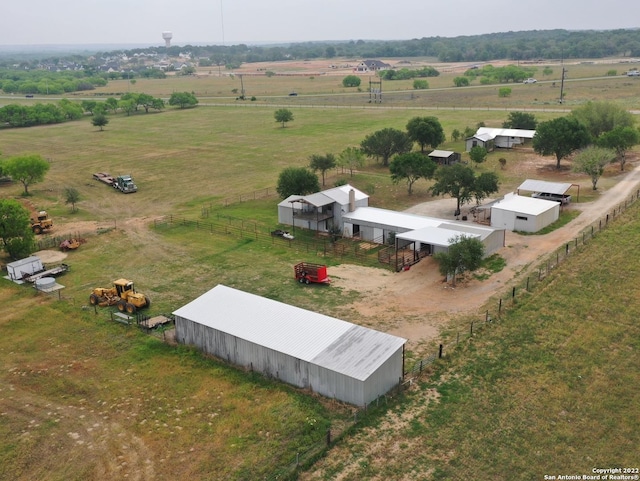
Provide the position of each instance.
(167, 38)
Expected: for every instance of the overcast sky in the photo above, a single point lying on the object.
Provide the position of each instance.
(218, 22)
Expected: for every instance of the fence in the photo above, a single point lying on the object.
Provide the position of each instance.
(364, 253)
(538, 276)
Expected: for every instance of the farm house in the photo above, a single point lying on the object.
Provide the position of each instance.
(525, 214)
(329, 356)
(503, 138)
(426, 234)
(322, 210)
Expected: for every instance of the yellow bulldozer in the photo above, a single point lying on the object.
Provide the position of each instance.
(41, 222)
(122, 294)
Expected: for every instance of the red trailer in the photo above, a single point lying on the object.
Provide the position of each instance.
(307, 273)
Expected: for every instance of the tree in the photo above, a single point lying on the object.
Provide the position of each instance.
(478, 154)
(560, 137)
(183, 99)
(351, 158)
(385, 143)
(297, 181)
(426, 131)
(592, 161)
(127, 105)
(420, 84)
(601, 117)
(322, 163)
(520, 120)
(72, 196)
(411, 167)
(486, 183)
(461, 81)
(464, 254)
(351, 81)
(100, 120)
(27, 169)
(460, 182)
(284, 116)
(620, 139)
(112, 104)
(455, 135)
(15, 229)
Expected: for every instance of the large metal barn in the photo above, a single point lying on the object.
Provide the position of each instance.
(329, 356)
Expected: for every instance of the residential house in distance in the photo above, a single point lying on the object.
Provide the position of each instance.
(368, 66)
(490, 138)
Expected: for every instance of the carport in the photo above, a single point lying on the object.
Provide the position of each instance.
(543, 186)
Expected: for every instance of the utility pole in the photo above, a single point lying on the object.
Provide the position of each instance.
(562, 85)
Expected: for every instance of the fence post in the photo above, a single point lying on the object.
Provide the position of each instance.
(500, 307)
(527, 285)
(440, 352)
(471, 331)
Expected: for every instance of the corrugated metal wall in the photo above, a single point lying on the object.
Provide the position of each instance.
(243, 353)
(289, 369)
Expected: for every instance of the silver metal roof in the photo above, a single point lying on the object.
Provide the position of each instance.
(434, 235)
(390, 218)
(525, 134)
(544, 186)
(525, 205)
(306, 335)
(338, 194)
(441, 153)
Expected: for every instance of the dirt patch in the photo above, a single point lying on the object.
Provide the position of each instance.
(51, 257)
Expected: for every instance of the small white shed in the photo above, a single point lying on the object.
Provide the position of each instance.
(525, 214)
(331, 357)
(27, 266)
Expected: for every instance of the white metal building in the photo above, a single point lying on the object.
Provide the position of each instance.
(426, 233)
(503, 138)
(329, 356)
(27, 266)
(525, 214)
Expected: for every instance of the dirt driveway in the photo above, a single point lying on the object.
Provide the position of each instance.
(416, 304)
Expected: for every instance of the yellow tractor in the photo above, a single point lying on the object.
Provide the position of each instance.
(41, 222)
(122, 294)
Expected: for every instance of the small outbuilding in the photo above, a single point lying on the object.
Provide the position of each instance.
(444, 157)
(525, 214)
(24, 267)
(309, 350)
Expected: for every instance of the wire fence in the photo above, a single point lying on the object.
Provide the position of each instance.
(536, 278)
(345, 249)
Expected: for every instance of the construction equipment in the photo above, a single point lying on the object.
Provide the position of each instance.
(41, 223)
(124, 183)
(122, 294)
(71, 244)
(307, 273)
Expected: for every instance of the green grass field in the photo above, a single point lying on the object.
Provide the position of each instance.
(85, 398)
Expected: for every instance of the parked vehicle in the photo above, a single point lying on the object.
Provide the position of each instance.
(124, 183)
(282, 233)
(633, 73)
(41, 223)
(529, 81)
(562, 198)
(122, 294)
(307, 273)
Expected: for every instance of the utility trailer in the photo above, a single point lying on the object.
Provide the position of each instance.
(307, 273)
(51, 272)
